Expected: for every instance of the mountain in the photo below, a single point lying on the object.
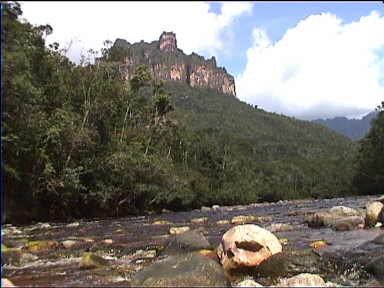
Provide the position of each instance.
(355, 129)
(167, 62)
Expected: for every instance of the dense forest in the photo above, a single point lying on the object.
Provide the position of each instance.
(80, 143)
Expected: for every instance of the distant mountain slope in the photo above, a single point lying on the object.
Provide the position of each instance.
(355, 129)
(272, 135)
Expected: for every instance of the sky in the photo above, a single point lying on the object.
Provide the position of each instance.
(308, 60)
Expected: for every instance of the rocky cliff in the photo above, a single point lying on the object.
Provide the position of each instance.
(167, 62)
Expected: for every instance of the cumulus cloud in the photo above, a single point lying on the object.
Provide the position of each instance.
(320, 68)
(88, 24)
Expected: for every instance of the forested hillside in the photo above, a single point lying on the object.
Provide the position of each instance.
(81, 143)
(355, 129)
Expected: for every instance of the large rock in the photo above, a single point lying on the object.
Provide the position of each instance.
(373, 212)
(187, 242)
(6, 283)
(247, 246)
(376, 267)
(303, 280)
(183, 270)
(247, 283)
(339, 218)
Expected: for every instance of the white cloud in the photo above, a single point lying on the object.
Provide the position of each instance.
(197, 29)
(320, 68)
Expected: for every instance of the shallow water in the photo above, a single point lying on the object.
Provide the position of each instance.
(136, 240)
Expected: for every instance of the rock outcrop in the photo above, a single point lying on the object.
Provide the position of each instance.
(169, 63)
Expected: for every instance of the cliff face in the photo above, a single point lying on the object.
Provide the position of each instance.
(169, 63)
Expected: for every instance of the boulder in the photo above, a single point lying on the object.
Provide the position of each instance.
(373, 212)
(186, 242)
(247, 246)
(68, 243)
(379, 239)
(182, 270)
(340, 218)
(279, 227)
(376, 267)
(222, 222)
(242, 219)
(199, 220)
(303, 280)
(348, 223)
(43, 245)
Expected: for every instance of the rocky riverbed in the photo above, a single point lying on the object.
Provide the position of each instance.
(342, 248)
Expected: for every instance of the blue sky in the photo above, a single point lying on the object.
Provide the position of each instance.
(303, 59)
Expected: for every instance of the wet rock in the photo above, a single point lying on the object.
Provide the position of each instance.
(178, 230)
(247, 283)
(318, 244)
(379, 239)
(242, 219)
(279, 227)
(376, 267)
(373, 212)
(289, 264)
(247, 245)
(186, 242)
(199, 220)
(304, 279)
(344, 211)
(162, 222)
(17, 258)
(348, 223)
(222, 222)
(43, 245)
(107, 241)
(205, 209)
(184, 270)
(74, 224)
(6, 283)
(90, 260)
(340, 218)
(69, 243)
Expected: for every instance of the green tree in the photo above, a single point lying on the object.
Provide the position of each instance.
(369, 178)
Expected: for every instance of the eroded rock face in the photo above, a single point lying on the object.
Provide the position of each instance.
(247, 245)
(169, 63)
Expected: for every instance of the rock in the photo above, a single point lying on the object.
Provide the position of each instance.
(187, 242)
(378, 224)
(68, 243)
(199, 220)
(184, 270)
(379, 239)
(348, 223)
(247, 283)
(222, 222)
(74, 224)
(210, 254)
(43, 245)
(279, 227)
(344, 211)
(247, 245)
(303, 280)
(376, 267)
(290, 263)
(162, 222)
(90, 260)
(205, 209)
(318, 244)
(7, 283)
(242, 219)
(215, 207)
(373, 212)
(178, 230)
(17, 258)
(340, 218)
(108, 241)
(164, 211)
